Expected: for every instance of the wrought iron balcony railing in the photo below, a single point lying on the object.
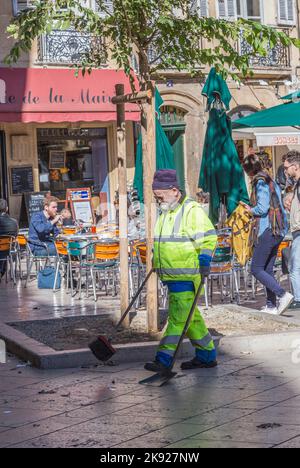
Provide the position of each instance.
(277, 57)
(68, 47)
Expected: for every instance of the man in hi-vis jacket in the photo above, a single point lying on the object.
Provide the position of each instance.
(185, 241)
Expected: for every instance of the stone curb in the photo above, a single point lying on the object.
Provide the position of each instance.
(43, 357)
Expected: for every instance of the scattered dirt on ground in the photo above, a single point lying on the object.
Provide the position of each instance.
(234, 320)
(71, 333)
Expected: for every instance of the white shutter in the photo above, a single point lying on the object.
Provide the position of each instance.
(109, 5)
(204, 8)
(200, 6)
(227, 9)
(286, 12)
(222, 8)
(19, 5)
(231, 8)
(291, 11)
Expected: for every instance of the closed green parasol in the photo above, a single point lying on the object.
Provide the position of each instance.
(164, 151)
(221, 172)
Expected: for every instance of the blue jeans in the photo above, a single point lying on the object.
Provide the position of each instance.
(42, 251)
(263, 262)
(294, 268)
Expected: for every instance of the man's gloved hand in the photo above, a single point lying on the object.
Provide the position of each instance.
(205, 271)
(204, 261)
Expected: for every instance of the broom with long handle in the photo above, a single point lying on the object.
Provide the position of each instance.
(101, 347)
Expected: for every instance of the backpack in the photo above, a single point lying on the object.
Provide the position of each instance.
(242, 223)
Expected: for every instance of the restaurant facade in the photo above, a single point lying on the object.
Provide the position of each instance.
(58, 131)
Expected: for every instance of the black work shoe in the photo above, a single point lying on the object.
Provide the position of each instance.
(155, 366)
(197, 364)
(295, 306)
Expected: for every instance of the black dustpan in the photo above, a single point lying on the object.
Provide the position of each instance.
(159, 379)
(163, 377)
(101, 347)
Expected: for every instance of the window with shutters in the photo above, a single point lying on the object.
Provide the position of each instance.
(20, 5)
(286, 12)
(226, 9)
(200, 6)
(109, 7)
(250, 9)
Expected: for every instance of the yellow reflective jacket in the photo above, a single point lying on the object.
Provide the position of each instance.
(181, 236)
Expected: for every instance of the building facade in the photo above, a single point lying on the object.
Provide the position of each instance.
(58, 131)
(274, 76)
(62, 131)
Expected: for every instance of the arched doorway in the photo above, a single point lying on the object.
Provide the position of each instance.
(173, 122)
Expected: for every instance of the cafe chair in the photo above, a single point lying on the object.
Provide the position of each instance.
(40, 261)
(8, 251)
(223, 270)
(62, 264)
(22, 254)
(105, 266)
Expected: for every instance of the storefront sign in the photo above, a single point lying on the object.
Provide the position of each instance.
(292, 139)
(21, 179)
(40, 95)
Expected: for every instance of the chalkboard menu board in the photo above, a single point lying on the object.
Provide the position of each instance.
(21, 180)
(34, 203)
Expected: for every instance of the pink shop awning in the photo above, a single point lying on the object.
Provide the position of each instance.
(57, 95)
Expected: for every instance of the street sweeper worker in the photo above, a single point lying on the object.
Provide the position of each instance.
(185, 240)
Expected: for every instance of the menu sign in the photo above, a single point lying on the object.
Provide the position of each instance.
(57, 159)
(21, 180)
(34, 203)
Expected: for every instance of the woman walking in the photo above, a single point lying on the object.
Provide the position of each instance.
(271, 227)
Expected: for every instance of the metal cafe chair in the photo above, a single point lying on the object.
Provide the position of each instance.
(223, 269)
(62, 263)
(22, 254)
(40, 261)
(8, 250)
(78, 251)
(106, 265)
(162, 290)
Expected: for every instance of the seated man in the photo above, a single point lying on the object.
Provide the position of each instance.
(8, 227)
(43, 229)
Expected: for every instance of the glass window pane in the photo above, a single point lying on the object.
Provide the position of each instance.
(253, 8)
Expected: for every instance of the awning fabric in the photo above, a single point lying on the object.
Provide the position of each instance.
(290, 97)
(285, 115)
(57, 95)
(270, 136)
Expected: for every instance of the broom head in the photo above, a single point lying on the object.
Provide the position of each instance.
(102, 348)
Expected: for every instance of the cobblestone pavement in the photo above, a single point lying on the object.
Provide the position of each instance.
(248, 401)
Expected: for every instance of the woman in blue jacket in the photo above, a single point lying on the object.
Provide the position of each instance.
(271, 226)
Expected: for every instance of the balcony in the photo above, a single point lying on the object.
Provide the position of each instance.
(68, 47)
(277, 57)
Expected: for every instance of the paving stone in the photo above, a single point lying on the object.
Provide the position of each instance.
(14, 417)
(290, 444)
(218, 444)
(165, 436)
(246, 430)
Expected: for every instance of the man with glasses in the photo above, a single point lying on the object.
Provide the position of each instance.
(292, 170)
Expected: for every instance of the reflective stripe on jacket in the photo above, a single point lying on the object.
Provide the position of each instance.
(181, 236)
